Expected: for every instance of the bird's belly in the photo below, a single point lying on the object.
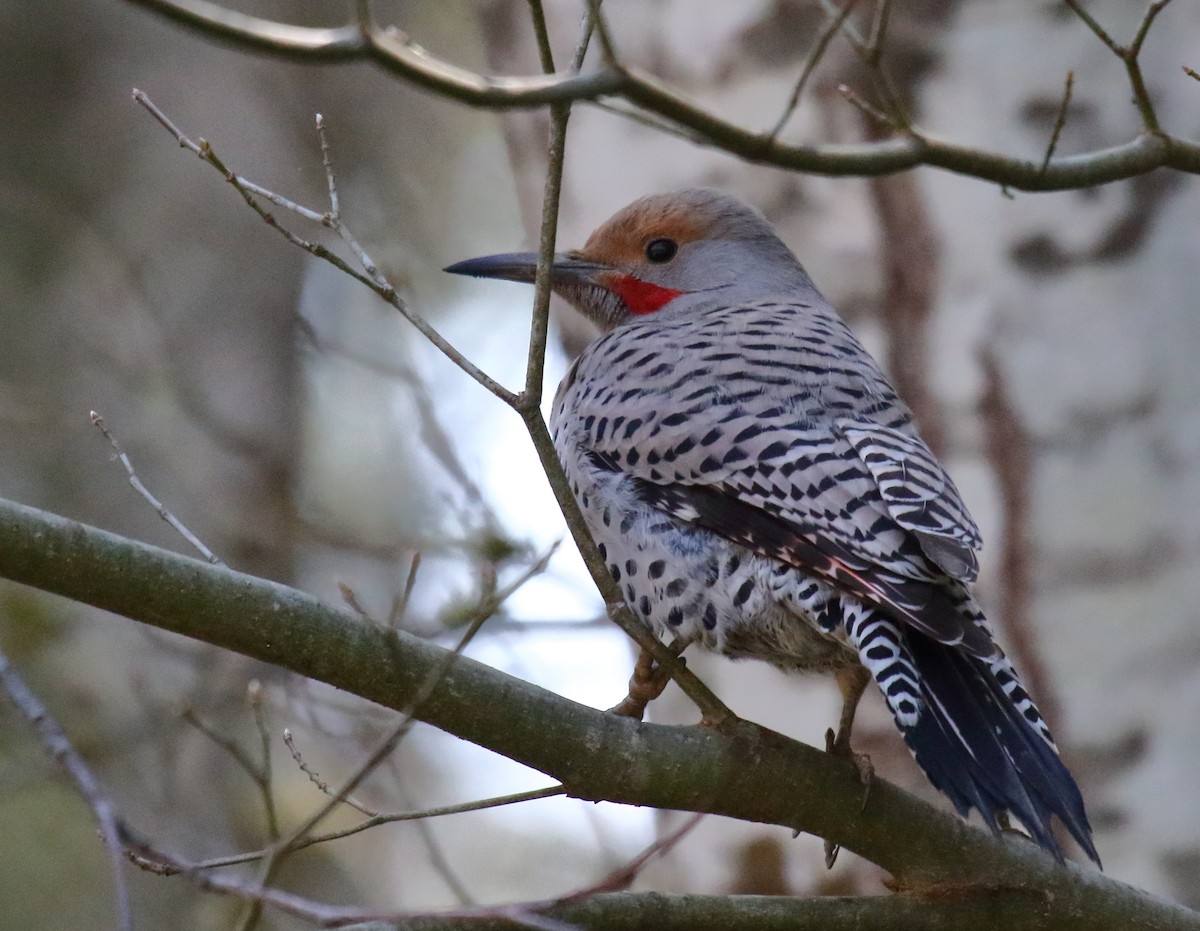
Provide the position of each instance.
(689, 583)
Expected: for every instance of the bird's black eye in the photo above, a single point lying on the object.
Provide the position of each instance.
(661, 250)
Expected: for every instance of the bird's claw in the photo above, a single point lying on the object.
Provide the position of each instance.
(646, 684)
(839, 745)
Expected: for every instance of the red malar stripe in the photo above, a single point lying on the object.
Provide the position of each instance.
(641, 297)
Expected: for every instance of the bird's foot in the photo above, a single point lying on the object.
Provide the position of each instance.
(839, 745)
(646, 684)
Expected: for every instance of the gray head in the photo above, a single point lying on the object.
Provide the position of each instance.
(667, 254)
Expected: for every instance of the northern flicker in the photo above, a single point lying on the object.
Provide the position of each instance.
(756, 486)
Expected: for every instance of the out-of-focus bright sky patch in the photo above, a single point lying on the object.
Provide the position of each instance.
(498, 452)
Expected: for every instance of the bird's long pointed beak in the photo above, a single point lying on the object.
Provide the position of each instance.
(522, 266)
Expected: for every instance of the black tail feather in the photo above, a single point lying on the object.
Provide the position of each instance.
(976, 747)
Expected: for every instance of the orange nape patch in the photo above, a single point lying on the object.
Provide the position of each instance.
(641, 297)
(621, 241)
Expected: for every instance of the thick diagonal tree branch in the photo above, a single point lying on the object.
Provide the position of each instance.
(742, 771)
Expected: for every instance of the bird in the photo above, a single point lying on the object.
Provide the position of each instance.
(756, 486)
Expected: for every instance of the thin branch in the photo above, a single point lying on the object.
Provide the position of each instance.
(350, 597)
(542, 34)
(236, 751)
(321, 914)
(531, 397)
(871, 53)
(486, 608)
(399, 612)
(386, 818)
(1152, 11)
(1129, 56)
(435, 852)
(1097, 29)
(1060, 121)
(1140, 93)
(254, 694)
(371, 277)
(58, 747)
(528, 405)
(831, 28)
(869, 110)
(159, 507)
(315, 778)
(878, 36)
(607, 49)
(623, 877)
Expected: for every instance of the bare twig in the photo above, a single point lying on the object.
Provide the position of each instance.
(486, 608)
(820, 44)
(370, 276)
(1060, 121)
(399, 612)
(236, 751)
(623, 877)
(872, 55)
(607, 49)
(1129, 55)
(385, 818)
(435, 852)
(58, 747)
(531, 397)
(159, 507)
(321, 914)
(870, 110)
(320, 783)
(528, 405)
(254, 695)
(350, 597)
(879, 25)
(542, 34)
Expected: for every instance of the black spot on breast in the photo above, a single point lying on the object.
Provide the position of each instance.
(743, 593)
